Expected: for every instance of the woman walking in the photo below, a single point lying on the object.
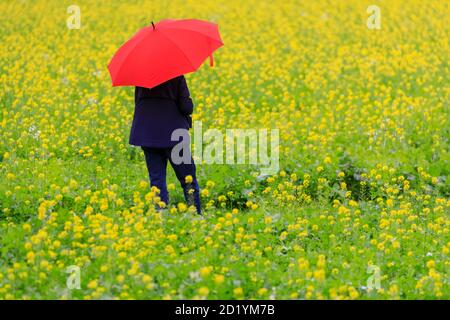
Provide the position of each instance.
(158, 113)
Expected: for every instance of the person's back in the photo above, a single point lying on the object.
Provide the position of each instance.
(159, 111)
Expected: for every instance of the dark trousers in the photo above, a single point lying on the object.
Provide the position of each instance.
(156, 159)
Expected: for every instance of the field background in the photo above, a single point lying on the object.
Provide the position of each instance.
(364, 181)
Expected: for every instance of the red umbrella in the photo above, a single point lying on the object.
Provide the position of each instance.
(164, 51)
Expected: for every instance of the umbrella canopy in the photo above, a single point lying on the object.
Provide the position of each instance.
(160, 52)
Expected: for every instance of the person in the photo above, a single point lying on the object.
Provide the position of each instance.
(160, 111)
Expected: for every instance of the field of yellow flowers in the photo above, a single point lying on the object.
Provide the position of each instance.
(358, 210)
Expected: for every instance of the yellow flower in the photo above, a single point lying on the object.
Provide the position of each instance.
(30, 256)
(219, 279)
(171, 187)
(353, 293)
(42, 211)
(73, 184)
(103, 204)
(173, 210)
(188, 179)
(172, 237)
(319, 275)
(238, 292)
(353, 203)
(389, 202)
(88, 210)
(92, 284)
(203, 291)
(143, 184)
(205, 271)
(262, 291)
(161, 204)
(182, 207)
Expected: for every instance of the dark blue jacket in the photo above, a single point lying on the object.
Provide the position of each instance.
(159, 111)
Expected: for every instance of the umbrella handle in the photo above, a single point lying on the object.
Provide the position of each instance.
(153, 26)
(211, 60)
